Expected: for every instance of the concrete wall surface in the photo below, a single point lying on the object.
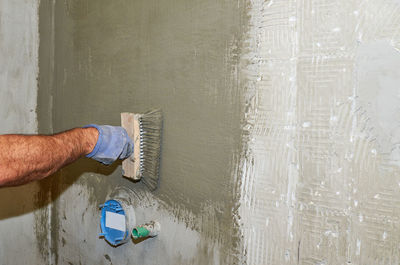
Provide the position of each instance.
(281, 129)
(19, 41)
(321, 175)
(181, 56)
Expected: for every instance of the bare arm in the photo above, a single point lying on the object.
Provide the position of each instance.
(26, 158)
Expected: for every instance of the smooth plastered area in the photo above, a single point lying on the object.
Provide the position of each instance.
(19, 206)
(281, 130)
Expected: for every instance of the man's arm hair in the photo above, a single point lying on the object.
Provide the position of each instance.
(25, 158)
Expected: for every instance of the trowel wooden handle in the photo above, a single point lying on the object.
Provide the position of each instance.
(131, 166)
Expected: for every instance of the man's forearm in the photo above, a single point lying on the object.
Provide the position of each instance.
(26, 158)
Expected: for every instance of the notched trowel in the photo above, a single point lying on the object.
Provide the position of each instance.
(145, 130)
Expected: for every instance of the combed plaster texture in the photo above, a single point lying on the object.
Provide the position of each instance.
(321, 176)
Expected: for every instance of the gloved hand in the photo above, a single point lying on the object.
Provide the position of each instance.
(113, 143)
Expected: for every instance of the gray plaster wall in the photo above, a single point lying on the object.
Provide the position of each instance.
(19, 42)
(281, 128)
(181, 56)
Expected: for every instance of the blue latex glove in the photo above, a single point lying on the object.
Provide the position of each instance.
(113, 143)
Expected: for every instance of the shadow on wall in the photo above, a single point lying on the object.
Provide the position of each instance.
(21, 200)
(16, 201)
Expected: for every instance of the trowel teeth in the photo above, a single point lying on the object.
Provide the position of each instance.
(146, 129)
(150, 147)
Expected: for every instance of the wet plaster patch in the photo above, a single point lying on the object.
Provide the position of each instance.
(79, 226)
(181, 56)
